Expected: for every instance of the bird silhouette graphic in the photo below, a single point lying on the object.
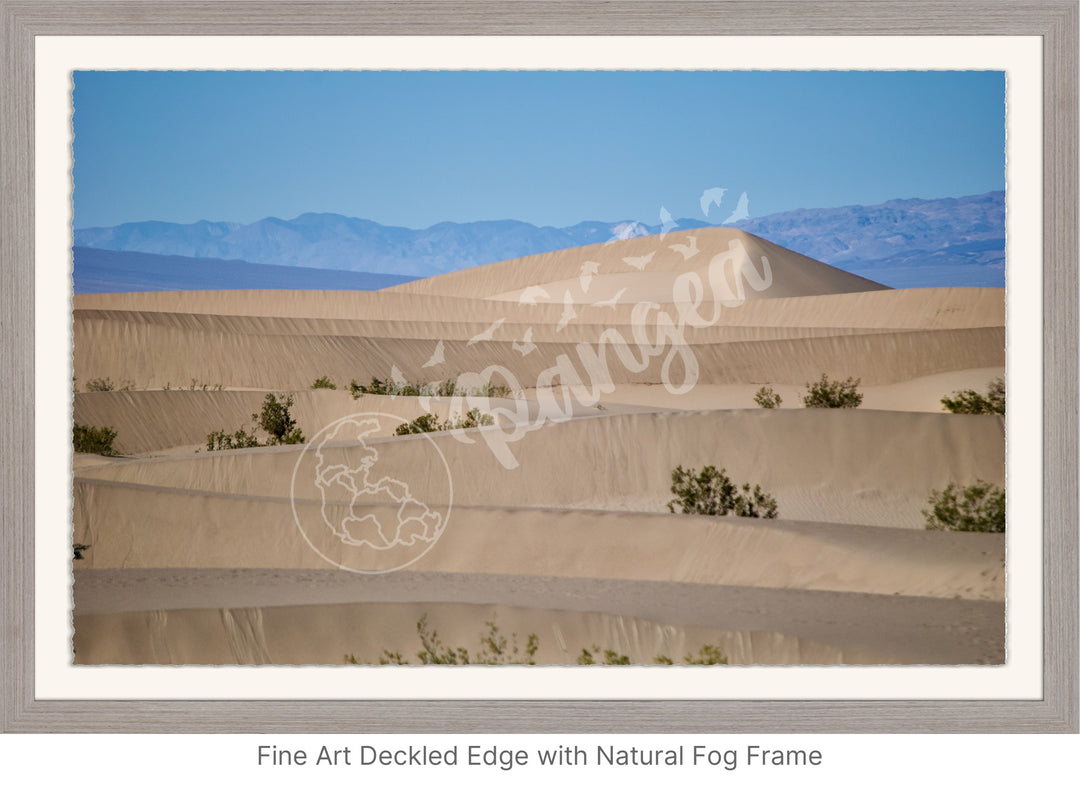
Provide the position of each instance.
(667, 224)
(437, 357)
(589, 269)
(397, 377)
(686, 250)
(568, 312)
(526, 345)
(639, 262)
(487, 333)
(532, 294)
(710, 197)
(613, 301)
(742, 210)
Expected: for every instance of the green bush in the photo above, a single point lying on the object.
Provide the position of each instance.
(429, 422)
(827, 393)
(277, 422)
(106, 384)
(711, 492)
(976, 507)
(324, 383)
(767, 398)
(241, 439)
(611, 657)
(93, 440)
(489, 389)
(707, 655)
(495, 649)
(389, 388)
(439, 388)
(971, 401)
(755, 503)
(274, 418)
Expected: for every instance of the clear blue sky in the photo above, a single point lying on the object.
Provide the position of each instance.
(551, 148)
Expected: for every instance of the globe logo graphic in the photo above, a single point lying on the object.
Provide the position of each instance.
(368, 501)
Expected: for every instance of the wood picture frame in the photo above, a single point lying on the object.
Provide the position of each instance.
(1053, 20)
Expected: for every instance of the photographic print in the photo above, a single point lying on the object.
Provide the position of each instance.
(565, 368)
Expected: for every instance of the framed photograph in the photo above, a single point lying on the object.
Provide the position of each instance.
(512, 367)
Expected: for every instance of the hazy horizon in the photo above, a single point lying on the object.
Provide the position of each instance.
(650, 223)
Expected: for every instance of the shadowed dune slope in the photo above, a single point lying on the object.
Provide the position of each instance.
(947, 307)
(905, 334)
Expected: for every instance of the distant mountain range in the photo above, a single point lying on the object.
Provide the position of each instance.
(903, 243)
(961, 238)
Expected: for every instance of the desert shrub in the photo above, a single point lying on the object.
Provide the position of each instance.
(712, 492)
(274, 418)
(767, 398)
(495, 649)
(611, 657)
(707, 655)
(755, 503)
(827, 393)
(93, 440)
(438, 388)
(241, 439)
(971, 401)
(976, 507)
(490, 389)
(324, 383)
(389, 388)
(198, 385)
(99, 384)
(277, 421)
(474, 418)
(429, 422)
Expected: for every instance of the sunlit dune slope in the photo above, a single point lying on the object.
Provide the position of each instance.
(646, 267)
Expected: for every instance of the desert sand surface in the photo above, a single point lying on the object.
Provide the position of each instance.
(615, 363)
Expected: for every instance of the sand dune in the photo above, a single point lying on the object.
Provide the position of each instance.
(832, 466)
(192, 530)
(902, 629)
(562, 528)
(655, 259)
(253, 359)
(947, 307)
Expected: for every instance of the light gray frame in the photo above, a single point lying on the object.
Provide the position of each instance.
(1054, 20)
